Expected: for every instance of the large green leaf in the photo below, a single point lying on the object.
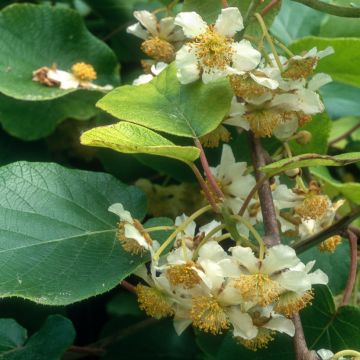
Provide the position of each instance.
(42, 117)
(319, 128)
(57, 239)
(306, 160)
(49, 343)
(12, 335)
(342, 126)
(56, 36)
(342, 65)
(166, 105)
(131, 138)
(326, 327)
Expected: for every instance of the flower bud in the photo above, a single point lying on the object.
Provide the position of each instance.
(303, 137)
(292, 173)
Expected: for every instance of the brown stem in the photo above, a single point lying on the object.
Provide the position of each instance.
(86, 350)
(302, 352)
(126, 285)
(268, 7)
(344, 135)
(353, 267)
(204, 187)
(272, 234)
(206, 167)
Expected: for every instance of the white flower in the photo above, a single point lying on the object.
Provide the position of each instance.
(211, 52)
(233, 180)
(155, 69)
(326, 354)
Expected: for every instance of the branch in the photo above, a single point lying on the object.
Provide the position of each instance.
(272, 234)
(269, 7)
(129, 287)
(332, 230)
(353, 267)
(345, 135)
(331, 9)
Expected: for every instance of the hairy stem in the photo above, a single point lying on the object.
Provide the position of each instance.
(353, 267)
(341, 11)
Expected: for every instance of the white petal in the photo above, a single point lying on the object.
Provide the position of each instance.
(138, 30)
(287, 128)
(166, 26)
(227, 159)
(179, 256)
(148, 20)
(187, 65)
(118, 209)
(67, 80)
(209, 227)
(157, 68)
(281, 324)
(242, 323)
(190, 228)
(230, 296)
(245, 256)
(212, 74)
(318, 277)
(236, 108)
(279, 257)
(212, 251)
(245, 58)
(132, 233)
(180, 325)
(214, 274)
(265, 81)
(259, 100)
(325, 354)
(297, 281)
(143, 79)
(318, 81)
(237, 121)
(229, 22)
(192, 23)
(328, 51)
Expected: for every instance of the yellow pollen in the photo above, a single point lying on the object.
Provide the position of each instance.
(291, 302)
(184, 275)
(330, 244)
(298, 69)
(313, 207)
(213, 139)
(83, 71)
(263, 122)
(131, 245)
(261, 341)
(153, 302)
(213, 49)
(208, 315)
(245, 87)
(159, 49)
(258, 287)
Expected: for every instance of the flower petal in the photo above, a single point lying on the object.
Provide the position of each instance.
(211, 250)
(242, 323)
(245, 57)
(180, 325)
(143, 79)
(192, 23)
(137, 30)
(209, 227)
(318, 277)
(297, 281)
(245, 256)
(188, 70)
(318, 81)
(281, 324)
(148, 20)
(229, 22)
(132, 233)
(265, 81)
(166, 26)
(118, 209)
(279, 257)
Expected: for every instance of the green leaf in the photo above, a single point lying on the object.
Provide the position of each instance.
(49, 343)
(124, 304)
(131, 138)
(351, 190)
(296, 20)
(42, 117)
(326, 327)
(12, 335)
(166, 105)
(319, 128)
(56, 36)
(341, 65)
(341, 126)
(57, 238)
(306, 160)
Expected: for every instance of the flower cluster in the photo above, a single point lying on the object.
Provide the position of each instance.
(200, 283)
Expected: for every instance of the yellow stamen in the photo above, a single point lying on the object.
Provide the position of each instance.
(261, 341)
(213, 49)
(263, 122)
(153, 302)
(298, 69)
(159, 49)
(184, 275)
(330, 244)
(245, 87)
(83, 71)
(313, 207)
(213, 139)
(208, 315)
(258, 287)
(290, 302)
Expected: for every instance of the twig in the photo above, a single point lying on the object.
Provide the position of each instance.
(86, 350)
(302, 352)
(269, 7)
(126, 285)
(353, 267)
(272, 234)
(344, 135)
(341, 11)
(335, 229)
(250, 11)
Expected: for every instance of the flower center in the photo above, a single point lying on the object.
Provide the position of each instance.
(153, 302)
(330, 244)
(83, 72)
(261, 341)
(183, 274)
(245, 87)
(213, 139)
(208, 315)
(158, 49)
(290, 302)
(263, 122)
(313, 207)
(258, 287)
(213, 49)
(298, 69)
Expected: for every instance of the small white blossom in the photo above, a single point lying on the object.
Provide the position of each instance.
(155, 69)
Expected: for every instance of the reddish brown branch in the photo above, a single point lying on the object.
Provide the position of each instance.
(269, 7)
(126, 285)
(353, 267)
